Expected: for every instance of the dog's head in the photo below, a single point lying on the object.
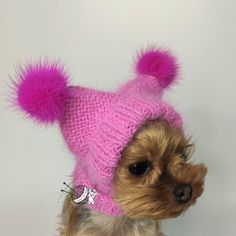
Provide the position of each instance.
(155, 178)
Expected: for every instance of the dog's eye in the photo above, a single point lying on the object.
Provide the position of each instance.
(140, 168)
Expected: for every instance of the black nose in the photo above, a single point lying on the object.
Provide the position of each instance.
(183, 193)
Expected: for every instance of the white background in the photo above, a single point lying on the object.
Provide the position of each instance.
(97, 41)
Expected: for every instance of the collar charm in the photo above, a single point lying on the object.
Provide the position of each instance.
(84, 195)
(81, 194)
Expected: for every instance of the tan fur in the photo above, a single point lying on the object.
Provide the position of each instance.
(87, 222)
(144, 199)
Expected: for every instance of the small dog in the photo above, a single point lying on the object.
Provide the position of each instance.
(133, 164)
(154, 180)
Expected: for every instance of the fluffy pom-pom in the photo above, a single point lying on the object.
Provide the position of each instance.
(158, 63)
(41, 90)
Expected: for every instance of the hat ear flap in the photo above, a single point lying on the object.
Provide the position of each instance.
(40, 91)
(158, 63)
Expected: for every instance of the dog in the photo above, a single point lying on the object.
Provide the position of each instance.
(154, 180)
(133, 159)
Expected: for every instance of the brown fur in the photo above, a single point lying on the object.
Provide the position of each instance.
(144, 199)
(87, 222)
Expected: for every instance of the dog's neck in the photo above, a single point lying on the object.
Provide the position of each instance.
(82, 221)
(117, 226)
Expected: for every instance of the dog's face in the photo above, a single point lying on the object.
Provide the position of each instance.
(155, 178)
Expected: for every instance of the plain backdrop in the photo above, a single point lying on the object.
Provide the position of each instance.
(97, 41)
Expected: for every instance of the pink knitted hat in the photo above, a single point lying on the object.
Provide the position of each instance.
(98, 125)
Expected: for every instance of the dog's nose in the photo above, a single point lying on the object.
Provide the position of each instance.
(183, 193)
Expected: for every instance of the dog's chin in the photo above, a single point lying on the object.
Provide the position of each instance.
(162, 215)
(157, 216)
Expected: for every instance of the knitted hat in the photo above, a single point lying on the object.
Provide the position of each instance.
(98, 125)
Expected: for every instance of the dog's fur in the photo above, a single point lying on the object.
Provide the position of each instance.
(145, 199)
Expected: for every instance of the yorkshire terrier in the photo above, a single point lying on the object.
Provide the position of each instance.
(133, 159)
(154, 180)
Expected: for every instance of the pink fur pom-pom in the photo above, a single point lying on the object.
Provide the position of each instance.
(158, 63)
(41, 90)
